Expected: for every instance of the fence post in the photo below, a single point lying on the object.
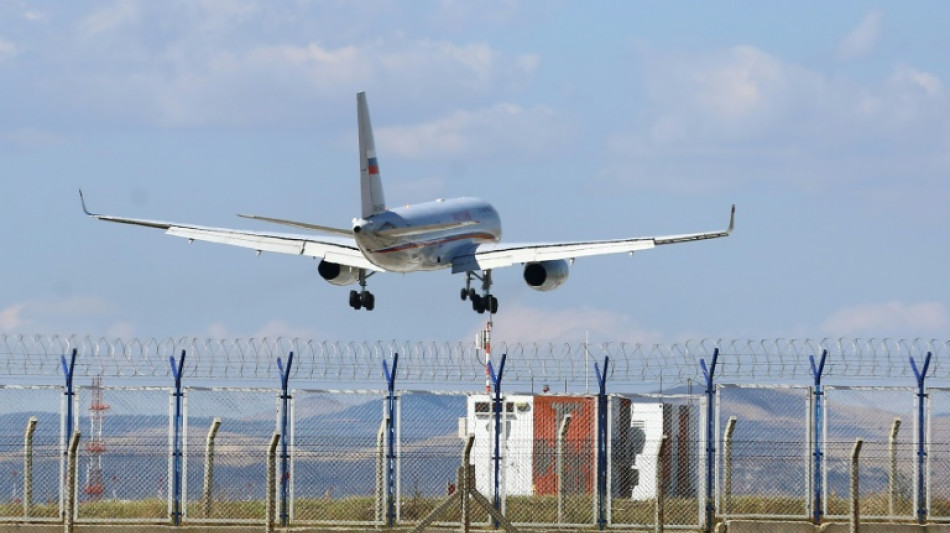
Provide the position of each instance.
(209, 467)
(176, 443)
(28, 465)
(892, 472)
(561, 437)
(660, 484)
(390, 421)
(710, 374)
(855, 496)
(68, 374)
(602, 443)
(68, 424)
(270, 498)
(727, 466)
(70, 514)
(466, 481)
(497, 410)
(284, 422)
(381, 469)
(818, 455)
(922, 498)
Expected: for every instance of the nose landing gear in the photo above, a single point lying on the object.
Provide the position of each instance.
(480, 302)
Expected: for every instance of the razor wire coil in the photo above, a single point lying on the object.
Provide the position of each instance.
(779, 360)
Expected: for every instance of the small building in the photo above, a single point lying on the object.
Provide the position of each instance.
(528, 445)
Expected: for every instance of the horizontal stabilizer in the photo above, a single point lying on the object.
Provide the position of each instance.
(302, 225)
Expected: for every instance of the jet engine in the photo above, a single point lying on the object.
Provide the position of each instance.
(546, 275)
(338, 274)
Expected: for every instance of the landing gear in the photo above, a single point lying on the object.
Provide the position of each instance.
(480, 302)
(363, 299)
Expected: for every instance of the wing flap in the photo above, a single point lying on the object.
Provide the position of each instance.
(497, 256)
(243, 240)
(336, 250)
(502, 256)
(342, 250)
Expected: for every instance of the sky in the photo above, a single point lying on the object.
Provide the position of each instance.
(828, 125)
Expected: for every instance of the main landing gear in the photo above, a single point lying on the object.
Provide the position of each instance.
(480, 302)
(363, 298)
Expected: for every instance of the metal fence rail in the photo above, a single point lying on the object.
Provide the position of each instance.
(762, 431)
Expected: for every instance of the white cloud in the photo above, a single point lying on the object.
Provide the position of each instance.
(502, 127)
(279, 328)
(8, 50)
(11, 318)
(733, 94)
(51, 315)
(524, 324)
(272, 329)
(740, 85)
(464, 13)
(904, 75)
(121, 330)
(219, 330)
(714, 113)
(195, 80)
(887, 319)
(115, 16)
(34, 15)
(29, 137)
(861, 40)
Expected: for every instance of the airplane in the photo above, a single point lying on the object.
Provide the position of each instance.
(461, 234)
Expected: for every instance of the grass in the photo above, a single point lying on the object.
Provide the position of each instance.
(578, 509)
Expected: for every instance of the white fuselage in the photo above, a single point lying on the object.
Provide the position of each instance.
(446, 229)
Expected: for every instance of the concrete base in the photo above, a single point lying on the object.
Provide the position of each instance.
(768, 526)
(775, 526)
(731, 526)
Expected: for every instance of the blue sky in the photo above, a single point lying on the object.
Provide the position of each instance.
(828, 125)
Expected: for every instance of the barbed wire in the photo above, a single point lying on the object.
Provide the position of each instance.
(778, 360)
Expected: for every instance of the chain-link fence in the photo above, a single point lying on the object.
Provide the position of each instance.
(763, 439)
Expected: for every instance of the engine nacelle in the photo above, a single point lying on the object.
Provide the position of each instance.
(338, 274)
(546, 275)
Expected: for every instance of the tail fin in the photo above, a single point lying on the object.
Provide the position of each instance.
(371, 187)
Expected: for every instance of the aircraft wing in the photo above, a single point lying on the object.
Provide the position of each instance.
(342, 250)
(502, 255)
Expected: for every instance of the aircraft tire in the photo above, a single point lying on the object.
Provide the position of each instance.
(492, 304)
(464, 294)
(478, 305)
(355, 300)
(368, 301)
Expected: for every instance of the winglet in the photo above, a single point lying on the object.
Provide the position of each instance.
(732, 220)
(84, 210)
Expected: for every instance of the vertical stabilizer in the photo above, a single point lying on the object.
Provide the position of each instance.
(371, 187)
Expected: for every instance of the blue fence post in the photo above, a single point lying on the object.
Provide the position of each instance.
(68, 428)
(497, 410)
(921, 375)
(709, 373)
(284, 423)
(817, 454)
(602, 443)
(68, 373)
(176, 443)
(390, 376)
